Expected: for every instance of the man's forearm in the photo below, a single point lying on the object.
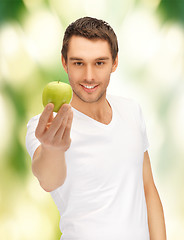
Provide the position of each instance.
(156, 220)
(49, 167)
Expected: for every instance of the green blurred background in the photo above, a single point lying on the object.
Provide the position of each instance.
(151, 71)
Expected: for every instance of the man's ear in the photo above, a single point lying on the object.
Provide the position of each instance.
(115, 64)
(64, 63)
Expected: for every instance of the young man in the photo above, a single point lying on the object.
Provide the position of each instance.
(92, 156)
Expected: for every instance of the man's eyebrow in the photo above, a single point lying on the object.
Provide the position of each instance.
(75, 59)
(102, 58)
(80, 59)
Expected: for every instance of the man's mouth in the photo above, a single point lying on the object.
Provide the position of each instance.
(89, 88)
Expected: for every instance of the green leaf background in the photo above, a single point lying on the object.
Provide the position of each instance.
(151, 59)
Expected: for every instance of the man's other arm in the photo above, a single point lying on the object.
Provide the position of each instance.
(155, 212)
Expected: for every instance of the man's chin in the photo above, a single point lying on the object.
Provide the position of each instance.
(91, 98)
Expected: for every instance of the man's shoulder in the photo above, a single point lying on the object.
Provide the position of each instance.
(34, 119)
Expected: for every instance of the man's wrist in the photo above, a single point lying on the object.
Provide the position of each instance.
(51, 150)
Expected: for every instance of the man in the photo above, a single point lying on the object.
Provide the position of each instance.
(92, 156)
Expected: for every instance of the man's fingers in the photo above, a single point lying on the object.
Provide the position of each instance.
(45, 117)
(51, 116)
(57, 121)
(60, 131)
(66, 134)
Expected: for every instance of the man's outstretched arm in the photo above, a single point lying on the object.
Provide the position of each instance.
(156, 220)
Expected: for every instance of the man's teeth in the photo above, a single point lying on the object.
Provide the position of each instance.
(89, 87)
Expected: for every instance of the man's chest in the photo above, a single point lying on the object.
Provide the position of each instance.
(102, 156)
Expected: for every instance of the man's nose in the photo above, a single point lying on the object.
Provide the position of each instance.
(89, 74)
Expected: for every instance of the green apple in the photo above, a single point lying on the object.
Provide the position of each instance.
(58, 93)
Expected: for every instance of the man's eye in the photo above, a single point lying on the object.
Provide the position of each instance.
(78, 63)
(99, 63)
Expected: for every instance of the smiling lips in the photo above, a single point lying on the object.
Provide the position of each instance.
(89, 86)
(89, 89)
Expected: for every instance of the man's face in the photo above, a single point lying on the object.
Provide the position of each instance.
(89, 66)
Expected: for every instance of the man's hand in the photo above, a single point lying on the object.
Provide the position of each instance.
(48, 163)
(54, 133)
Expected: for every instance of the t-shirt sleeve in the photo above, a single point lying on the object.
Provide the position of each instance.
(143, 128)
(31, 141)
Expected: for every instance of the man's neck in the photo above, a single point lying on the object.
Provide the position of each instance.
(100, 111)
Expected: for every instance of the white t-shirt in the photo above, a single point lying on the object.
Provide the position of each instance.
(103, 196)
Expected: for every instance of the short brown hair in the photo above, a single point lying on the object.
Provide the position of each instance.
(90, 28)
